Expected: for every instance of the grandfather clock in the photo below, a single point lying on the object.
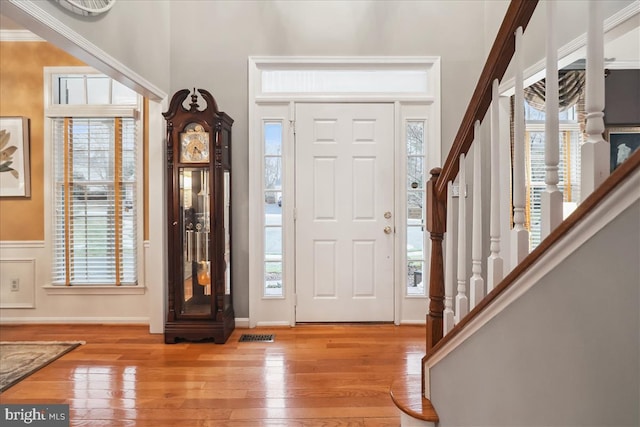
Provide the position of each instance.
(200, 303)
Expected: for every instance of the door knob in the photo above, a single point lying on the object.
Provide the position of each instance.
(387, 229)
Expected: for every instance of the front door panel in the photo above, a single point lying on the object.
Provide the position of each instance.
(344, 207)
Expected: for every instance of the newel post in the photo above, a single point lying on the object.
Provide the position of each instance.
(436, 225)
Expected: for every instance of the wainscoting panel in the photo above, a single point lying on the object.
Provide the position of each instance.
(17, 283)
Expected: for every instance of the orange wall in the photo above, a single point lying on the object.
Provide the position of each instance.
(22, 94)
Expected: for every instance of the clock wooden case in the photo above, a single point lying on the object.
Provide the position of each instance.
(200, 303)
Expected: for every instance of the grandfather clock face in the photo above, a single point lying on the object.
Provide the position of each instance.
(194, 144)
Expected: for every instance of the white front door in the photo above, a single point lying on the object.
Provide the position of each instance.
(344, 212)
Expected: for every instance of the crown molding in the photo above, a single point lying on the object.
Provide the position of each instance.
(622, 65)
(19, 36)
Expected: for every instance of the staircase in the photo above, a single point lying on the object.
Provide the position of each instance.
(547, 336)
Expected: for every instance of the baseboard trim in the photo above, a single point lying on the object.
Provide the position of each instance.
(413, 322)
(242, 322)
(279, 324)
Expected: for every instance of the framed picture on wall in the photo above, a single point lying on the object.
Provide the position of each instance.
(14, 157)
(623, 141)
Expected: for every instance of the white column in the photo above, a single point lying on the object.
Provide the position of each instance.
(551, 197)
(495, 269)
(519, 234)
(462, 302)
(595, 151)
(448, 318)
(476, 283)
(156, 255)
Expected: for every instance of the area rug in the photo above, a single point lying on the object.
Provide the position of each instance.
(19, 359)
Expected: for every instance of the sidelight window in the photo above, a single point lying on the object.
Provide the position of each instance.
(415, 161)
(273, 202)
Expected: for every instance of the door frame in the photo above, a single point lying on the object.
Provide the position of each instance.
(276, 84)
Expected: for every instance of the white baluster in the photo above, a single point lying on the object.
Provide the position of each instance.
(551, 197)
(595, 151)
(448, 318)
(462, 302)
(519, 235)
(476, 283)
(495, 269)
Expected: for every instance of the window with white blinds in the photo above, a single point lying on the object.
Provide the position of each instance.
(569, 140)
(95, 184)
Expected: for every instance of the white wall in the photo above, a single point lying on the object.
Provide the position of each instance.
(564, 353)
(212, 50)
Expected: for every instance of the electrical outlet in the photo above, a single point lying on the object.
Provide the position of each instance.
(15, 285)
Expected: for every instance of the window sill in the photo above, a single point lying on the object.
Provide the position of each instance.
(94, 290)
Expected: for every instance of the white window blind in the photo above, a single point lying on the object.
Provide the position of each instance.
(569, 141)
(95, 181)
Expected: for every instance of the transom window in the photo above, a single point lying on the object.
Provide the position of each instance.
(90, 89)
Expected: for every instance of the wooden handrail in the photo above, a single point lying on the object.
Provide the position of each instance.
(619, 175)
(518, 15)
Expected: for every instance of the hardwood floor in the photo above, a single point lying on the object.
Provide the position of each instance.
(312, 375)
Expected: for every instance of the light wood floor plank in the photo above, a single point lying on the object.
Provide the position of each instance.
(312, 375)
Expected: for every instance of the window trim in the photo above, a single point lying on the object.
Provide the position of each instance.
(95, 289)
(51, 112)
(281, 312)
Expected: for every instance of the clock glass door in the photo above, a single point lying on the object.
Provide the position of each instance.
(195, 211)
(227, 231)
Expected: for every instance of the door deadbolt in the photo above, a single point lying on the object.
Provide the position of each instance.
(387, 214)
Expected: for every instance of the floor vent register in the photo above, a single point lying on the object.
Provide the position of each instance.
(257, 338)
